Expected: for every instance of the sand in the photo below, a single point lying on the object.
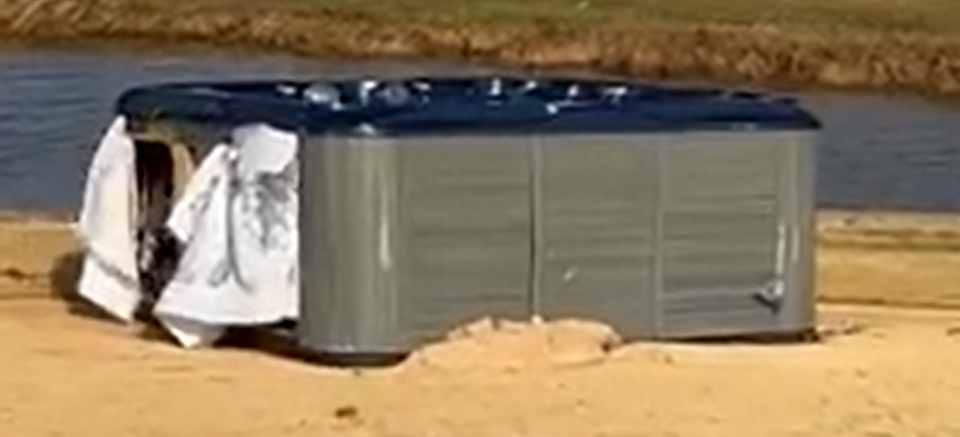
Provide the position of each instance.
(881, 371)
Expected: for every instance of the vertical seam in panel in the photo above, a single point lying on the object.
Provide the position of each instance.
(801, 196)
(787, 218)
(386, 187)
(658, 225)
(536, 228)
(402, 246)
(302, 212)
(808, 152)
(782, 212)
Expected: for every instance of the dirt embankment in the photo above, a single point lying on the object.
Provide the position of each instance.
(650, 49)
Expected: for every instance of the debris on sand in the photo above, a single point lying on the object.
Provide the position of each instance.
(501, 345)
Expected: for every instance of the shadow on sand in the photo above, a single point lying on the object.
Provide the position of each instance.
(277, 340)
(64, 277)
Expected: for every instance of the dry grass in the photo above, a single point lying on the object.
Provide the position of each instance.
(859, 16)
(911, 45)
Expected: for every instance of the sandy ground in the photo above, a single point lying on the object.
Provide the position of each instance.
(902, 259)
(881, 372)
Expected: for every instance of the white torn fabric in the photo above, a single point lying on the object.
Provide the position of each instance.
(190, 333)
(197, 192)
(106, 226)
(238, 221)
(201, 206)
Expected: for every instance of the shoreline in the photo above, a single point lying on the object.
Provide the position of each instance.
(864, 258)
(835, 228)
(849, 229)
(854, 59)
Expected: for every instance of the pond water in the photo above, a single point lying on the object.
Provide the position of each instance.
(878, 151)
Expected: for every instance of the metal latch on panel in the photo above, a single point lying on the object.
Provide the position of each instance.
(771, 295)
(570, 274)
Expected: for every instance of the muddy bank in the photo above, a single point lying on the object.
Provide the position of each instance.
(767, 55)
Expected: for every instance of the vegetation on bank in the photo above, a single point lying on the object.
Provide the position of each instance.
(890, 44)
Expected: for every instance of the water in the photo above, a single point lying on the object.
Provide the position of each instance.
(888, 152)
(877, 151)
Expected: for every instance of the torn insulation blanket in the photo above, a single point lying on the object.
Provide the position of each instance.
(106, 227)
(237, 221)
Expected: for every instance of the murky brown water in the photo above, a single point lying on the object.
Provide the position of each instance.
(877, 152)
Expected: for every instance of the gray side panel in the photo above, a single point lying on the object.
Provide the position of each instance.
(720, 239)
(466, 232)
(597, 209)
(799, 214)
(349, 276)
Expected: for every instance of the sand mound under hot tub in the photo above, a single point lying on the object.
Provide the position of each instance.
(493, 344)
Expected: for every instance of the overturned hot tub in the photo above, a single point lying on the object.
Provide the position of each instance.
(379, 214)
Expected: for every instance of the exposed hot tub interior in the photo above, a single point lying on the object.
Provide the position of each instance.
(164, 164)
